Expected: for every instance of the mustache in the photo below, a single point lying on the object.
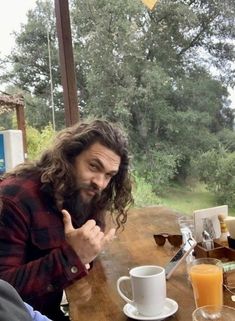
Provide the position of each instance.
(91, 187)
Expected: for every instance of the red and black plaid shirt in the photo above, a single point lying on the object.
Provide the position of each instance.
(34, 256)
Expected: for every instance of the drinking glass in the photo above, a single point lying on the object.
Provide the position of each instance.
(206, 276)
(224, 313)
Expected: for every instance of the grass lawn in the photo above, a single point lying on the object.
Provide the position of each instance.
(184, 199)
(188, 199)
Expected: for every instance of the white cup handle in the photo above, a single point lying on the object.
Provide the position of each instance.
(119, 281)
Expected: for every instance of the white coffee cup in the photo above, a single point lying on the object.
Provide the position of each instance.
(148, 284)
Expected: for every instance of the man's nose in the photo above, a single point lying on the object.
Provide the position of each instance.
(100, 181)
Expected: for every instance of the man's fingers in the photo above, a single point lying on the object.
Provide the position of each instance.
(68, 226)
(110, 235)
(89, 225)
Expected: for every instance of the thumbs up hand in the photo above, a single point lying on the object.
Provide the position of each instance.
(88, 240)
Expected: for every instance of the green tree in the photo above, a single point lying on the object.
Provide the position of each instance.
(216, 168)
(149, 70)
(37, 140)
(30, 66)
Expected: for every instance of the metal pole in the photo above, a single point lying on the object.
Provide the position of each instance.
(51, 80)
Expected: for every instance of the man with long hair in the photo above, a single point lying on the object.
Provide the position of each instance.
(53, 211)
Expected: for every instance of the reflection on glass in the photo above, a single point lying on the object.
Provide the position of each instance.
(216, 313)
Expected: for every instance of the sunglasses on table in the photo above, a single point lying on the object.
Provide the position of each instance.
(173, 239)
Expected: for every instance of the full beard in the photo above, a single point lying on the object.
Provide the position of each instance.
(82, 210)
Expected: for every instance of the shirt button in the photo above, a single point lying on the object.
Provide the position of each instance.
(74, 269)
(50, 288)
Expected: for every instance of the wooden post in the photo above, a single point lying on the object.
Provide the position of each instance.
(16, 102)
(66, 62)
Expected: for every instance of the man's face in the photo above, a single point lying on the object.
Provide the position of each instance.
(94, 169)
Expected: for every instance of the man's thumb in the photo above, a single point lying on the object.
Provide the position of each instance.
(68, 226)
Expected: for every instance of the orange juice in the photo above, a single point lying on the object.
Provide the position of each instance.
(207, 282)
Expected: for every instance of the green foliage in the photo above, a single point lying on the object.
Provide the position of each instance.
(227, 139)
(225, 179)
(151, 71)
(143, 193)
(6, 121)
(205, 166)
(216, 169)
(30, 72)
(186, 199)
(179, 197)
(38, 112)
(37, 141)
(158, 168)
(146, 71)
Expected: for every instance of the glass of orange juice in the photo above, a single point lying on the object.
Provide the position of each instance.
(225, 313)
(206, 276)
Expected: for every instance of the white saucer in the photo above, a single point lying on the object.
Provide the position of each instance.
(170, 307)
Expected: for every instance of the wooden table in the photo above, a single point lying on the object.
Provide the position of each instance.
(95, 297)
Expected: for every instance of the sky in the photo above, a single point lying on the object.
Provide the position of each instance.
(13, 13)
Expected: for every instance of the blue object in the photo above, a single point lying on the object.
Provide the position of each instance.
(35, 315)
(2, 155)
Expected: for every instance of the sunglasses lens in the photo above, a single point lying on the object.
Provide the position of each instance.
(175, 240)
(159, 239)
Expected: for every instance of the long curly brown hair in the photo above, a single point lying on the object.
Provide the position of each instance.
(55, 167)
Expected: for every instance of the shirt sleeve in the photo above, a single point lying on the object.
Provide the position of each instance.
(36, 315)
(11, 304)
(55, 270)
